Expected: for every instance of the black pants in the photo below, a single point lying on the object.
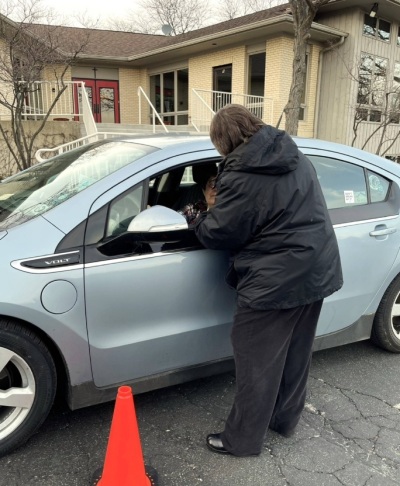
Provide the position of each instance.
(272, 351)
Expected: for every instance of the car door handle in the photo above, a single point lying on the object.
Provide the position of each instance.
(382, 232)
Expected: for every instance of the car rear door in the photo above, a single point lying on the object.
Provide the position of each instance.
(363, 203)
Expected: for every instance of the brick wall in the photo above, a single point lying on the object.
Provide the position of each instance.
(201, 69)
(278, 79)
(129, 81)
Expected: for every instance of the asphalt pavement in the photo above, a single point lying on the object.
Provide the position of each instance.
(349, 434)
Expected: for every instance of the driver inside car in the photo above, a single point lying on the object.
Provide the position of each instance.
(204, 176)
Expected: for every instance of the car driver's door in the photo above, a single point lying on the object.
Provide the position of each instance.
(151, 307)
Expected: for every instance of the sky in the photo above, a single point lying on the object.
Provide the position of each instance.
(93, 9)
(99, 13)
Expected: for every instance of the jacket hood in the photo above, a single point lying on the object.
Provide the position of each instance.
(269, 151)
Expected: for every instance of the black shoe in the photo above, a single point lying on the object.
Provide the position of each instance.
(214, 443)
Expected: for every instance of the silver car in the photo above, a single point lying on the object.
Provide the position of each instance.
(103, 283)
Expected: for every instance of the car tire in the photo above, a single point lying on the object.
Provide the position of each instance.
(386, 328)
(28, 383)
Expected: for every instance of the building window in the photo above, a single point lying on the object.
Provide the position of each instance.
(169, 93)
(371, 87)
(377, 28)
(395, 95)
(222, 86)
(256, 84)
(257, 74)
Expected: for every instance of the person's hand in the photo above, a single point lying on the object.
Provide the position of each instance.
(210, 192)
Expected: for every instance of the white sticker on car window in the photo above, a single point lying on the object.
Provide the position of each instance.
(349, 197)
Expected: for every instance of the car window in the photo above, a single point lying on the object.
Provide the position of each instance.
(176, 187)
(378, 186)
(122, 210)
(106, 233)
(187, 177)
(343, 184)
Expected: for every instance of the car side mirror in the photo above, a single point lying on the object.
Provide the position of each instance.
(157, 219)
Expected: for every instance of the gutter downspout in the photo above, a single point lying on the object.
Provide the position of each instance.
(321, 53)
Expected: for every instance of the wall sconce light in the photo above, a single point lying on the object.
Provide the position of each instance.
(374, 10)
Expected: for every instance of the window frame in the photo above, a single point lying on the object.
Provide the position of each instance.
(363, 212)
(396, 94)
(169, 99)
(367, 111)
(376, 28)
(100, 247)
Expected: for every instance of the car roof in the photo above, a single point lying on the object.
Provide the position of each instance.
(161, 140)
(379, 161)
(201, 141)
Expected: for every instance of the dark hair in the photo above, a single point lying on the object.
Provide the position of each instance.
(202, 172)
(231, 126)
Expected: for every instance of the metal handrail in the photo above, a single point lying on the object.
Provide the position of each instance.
(154, 111)
(194, 91)
(87, 113)
(79, 142)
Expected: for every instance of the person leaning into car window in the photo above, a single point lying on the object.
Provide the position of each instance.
(271, 214)
(204, 175)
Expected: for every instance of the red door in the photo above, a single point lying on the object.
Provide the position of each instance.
(104, 99)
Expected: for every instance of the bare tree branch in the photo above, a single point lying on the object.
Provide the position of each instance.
(181, 15)
(378, 103)
(231, 9)
(31, 47)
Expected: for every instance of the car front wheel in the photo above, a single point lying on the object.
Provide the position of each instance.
(386, 328)
(27, 384)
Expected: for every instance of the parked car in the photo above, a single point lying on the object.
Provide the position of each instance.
(103, 283)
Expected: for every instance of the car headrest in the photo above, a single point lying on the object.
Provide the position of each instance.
(202, 172)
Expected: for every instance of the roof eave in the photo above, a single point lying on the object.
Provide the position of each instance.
(283, 23)
(267, 27)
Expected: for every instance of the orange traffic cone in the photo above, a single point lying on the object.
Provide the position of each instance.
(124, 464)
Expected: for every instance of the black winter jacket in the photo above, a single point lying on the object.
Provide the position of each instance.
(270, 212)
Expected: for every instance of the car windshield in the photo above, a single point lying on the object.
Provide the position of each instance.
(42, 187)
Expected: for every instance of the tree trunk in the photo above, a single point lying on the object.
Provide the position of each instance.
(292, 108)
(303, 12)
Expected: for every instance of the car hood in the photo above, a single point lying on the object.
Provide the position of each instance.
(33, 238)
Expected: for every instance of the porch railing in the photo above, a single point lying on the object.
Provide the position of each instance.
(72, 105)
(205, 103)
(41, 95)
